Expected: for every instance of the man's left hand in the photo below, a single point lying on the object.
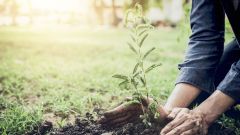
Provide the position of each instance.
(185, 122)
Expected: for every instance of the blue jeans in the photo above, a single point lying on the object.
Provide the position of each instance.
(207, 65)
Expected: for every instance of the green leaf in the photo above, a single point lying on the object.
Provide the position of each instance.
(136, 74)
(132, 48)
(133, 38)
(143, 81)
(143, 39)
(141, 33)
(134, 83)
(132, 30)
(120, 76)
(144, 26)
(135, 68)
(152, 67)
(148, 52)
(123, 83)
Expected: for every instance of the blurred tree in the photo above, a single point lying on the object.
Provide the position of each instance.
(30, 14)
(13, 7)
(2, 6)
(98, 6)
(114, 14)
(156, 3)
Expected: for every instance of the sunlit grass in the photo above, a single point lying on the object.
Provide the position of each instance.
(63, 72)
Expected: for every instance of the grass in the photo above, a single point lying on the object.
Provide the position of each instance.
(55, 73)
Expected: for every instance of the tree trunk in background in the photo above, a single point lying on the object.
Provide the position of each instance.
(99, 10)
(2, 7)
(30, 14)
(114, 14)
(14, 11)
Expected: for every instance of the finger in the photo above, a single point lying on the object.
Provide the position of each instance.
(187, 125)
(176, 122)
(183, 112)
(127, 99)
(104, 119)
(130, 120)
(122, 109)
(190, 132)
(119, 120)
(174, 113)
(125, 119)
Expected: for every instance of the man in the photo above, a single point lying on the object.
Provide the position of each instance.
(209, 72)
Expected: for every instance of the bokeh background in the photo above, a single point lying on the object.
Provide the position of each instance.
(57, 57)
(87, 12)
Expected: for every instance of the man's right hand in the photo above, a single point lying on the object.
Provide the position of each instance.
(129, 112)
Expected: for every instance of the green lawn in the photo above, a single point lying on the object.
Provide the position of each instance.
(55, 74)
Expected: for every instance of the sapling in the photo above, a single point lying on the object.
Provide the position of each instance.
(136, 81)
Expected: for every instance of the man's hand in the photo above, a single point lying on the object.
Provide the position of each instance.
(128, 112)
(185, 122)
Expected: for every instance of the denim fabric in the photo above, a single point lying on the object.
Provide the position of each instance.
(231, 83)
(232, 9)
(204, 54)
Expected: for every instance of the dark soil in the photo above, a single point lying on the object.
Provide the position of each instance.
(87, 126)
(42, 129)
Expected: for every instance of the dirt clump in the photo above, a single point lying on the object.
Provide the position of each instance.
(88, 126)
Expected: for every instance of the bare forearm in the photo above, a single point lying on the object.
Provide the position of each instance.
(182, 95)
(215, 105)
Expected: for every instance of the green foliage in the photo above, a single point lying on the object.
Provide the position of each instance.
(230, 123)
(16, 120)
(153, 109)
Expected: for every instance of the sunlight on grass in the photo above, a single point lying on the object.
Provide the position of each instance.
(64, 72)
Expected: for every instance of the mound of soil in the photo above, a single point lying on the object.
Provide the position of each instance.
(87, 126)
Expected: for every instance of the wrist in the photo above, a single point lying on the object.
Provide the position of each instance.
(208, 116)
(214, 106)
(188, 91)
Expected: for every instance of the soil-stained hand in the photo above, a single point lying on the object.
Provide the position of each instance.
(126, 112)
(185, 122)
